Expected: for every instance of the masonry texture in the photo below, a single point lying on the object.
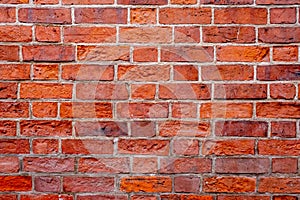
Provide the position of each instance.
(149, 100)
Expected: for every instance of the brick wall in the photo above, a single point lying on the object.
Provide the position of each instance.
(149, 99)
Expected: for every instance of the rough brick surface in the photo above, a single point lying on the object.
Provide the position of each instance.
(149, 100)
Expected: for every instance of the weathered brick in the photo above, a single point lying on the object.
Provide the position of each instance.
(278, 72)
(101, 15)
(88, 184)
(278, 110)
(185, 165)
(185, 196)
(45, 146)
(228, 147)
(33, 164)
(47, 33)
(227, 2)
(184, 110)
(44, 109)
(184, 128)
(8, 128)
(143, 91)
(45, 71)
(285, 53)
(146, 184)
(143, 2)
(8, 90)
(14, 109)
(240, 91)
(41, 15)
(15, 34)
(279, 34)
(226, 110)
(283, 15)
(279, 185)
(284, 165)
(9, 164)
(9, 53)
(185, 15)
(283, 129)
(144, 165)
(7, 14)
(242, 197)
(277, 2)
(242, 165)
(241, 16)
(145, 35)
(46, 197)
(229, 184)
(87, 2)
(142, 110)
(282, 91)
(187, 34)
(14, 146)
(185, 147)
(145, 54)
(279, 147)
(14, 71)
(143, 129)
(87, 146)
(143, 146)
(189, 184)
(235, 34)
(15, 183)
(47, 184)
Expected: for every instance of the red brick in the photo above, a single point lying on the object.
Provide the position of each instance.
(8, 90)
(229, 184)
(278, 73)
(282, 91)
(144, 165)
(145, 54)
(41, 15)
(279, 147)
(227, 2)
(185, 73)
(187, 34)
(9, 165)
(242, 165)
(46, 128)
(47, 184)
(46, 90)
(8, 128)
(185, 197)
(143, 197)
(45, 146)
(145, 35)
(47, 33)
(7, 14)
(278, 110)
(279, 34)
(240, 91)
(186, 54)
(241, 16)
(184, 110)
(285, 198)
(284, 165)
(143, 2)
(48, 164)
(51, 53)
(146, 184)
(278, 2)
(101, 15)
(185, 15)
(184, 2)
(143, 91)
(279, 185)
(243, 54)
(45, 71)
(15, 34)
(87, 146)
(184, 128)
(227, 72)
(144, 147)
(46, 197)
(283, 15)
(9, 53)
(86, 110)
(184, 91)
(103, 165)
(44, 109)
(142, 110)
(189, 184)
(228, 147)
(102, 196)
(185, 165)
(87, 2)
(101, 128)
(143, 15)
(14, 109)
(88, 184)
(241, 128)
(88, 72)
(283, 129)
(285, 53)
(15, 183)
(14, 146)
(101, 91)
(14, 71)
(143, 129)
(240, 197)
(43, 2)
(226, 110)
(103, 53)
(81, 34)
(186, 147)
(235, 34)
(8, 197)
(144, 73)
(15, 1)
